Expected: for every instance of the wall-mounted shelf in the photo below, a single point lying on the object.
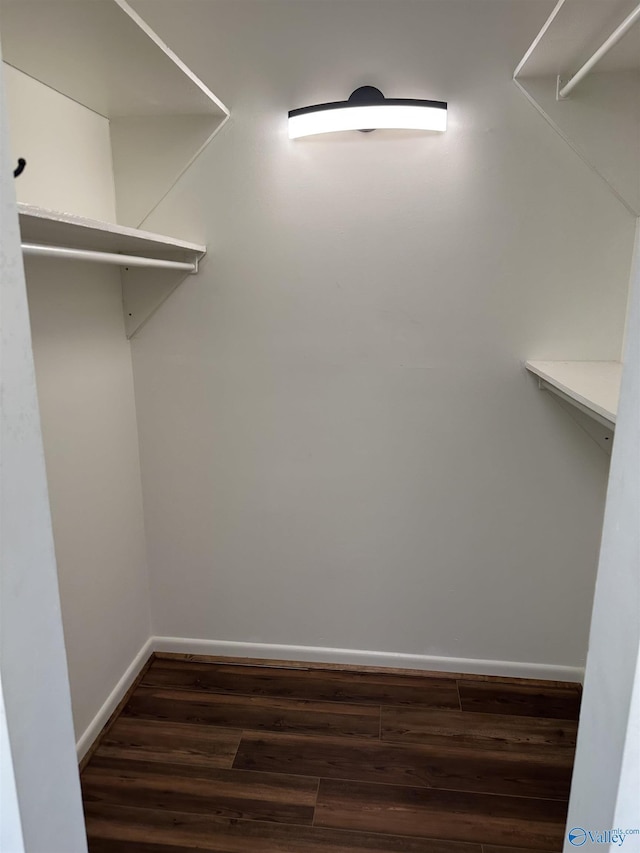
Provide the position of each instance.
(571, 34)
(600, 119)
(39, 225)
(143, 291)
(115, 64)
(103, 56)
(593, 387)
(107, 118)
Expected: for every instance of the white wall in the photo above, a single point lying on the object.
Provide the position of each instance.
(339, 444)
(626, 808)
(11, 840)
(67, 148)
(606, 777)
(602, 120)
(33, 671)
(85, 389)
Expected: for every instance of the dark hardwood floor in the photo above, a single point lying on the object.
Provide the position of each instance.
(238, 758)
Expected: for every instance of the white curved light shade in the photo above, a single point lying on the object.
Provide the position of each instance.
(368, 109)
(377, 117)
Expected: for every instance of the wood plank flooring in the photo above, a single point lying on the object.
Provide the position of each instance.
(239, 758)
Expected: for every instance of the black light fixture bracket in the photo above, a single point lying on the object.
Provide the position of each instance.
(366, 96)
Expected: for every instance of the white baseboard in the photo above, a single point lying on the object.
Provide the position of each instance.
(99, 721)
(317, 654)
(359, 657)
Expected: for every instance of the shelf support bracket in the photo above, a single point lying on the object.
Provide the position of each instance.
(144, 291)
(598, 432)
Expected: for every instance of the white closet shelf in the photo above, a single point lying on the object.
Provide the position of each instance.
(143, 290)
(101, 54)
(52, 227)
(104, 57)
(582, 73)
(591, 386)
(573, 32)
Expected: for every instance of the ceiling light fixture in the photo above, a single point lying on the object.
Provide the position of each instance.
(367, 109)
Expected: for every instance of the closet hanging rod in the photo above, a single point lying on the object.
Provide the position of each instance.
(105, 257)
(631, 19)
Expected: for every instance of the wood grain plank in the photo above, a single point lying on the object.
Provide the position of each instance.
(111, 845)
(478, 818)
(229, 793)
(495, 731)
(549, 702)
(452, 768)
(176, 743)
(254, 712)
(228, 759)
(117, 829)
(327, 666)
(317, 685)
(492, 848)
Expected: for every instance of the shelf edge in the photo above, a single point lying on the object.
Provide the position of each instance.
(551, 383)
(63, 218)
